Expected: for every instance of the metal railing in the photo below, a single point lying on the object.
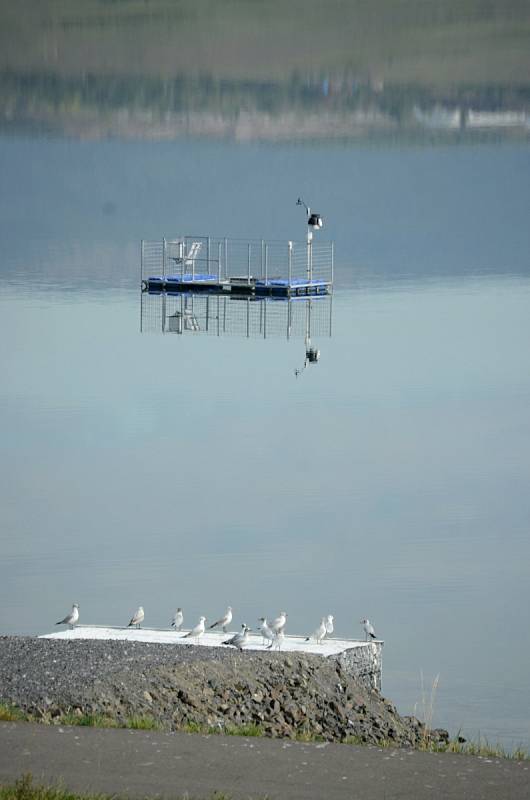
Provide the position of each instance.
(220, 259)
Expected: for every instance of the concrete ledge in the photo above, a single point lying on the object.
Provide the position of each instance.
(360, 659)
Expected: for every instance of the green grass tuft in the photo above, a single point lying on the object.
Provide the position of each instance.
(247, 729)
(87, 720)
(353, 739)
(144, 723)
(25, 789)
(481, 747)
(136, 722)
(193, 727)
(11, 713)
(305, 735)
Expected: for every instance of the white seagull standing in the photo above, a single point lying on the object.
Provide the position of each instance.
(278, 624)
(329, 625)
(197, 631)
(319, 633)
(70, 618)
(368, 629)
(240, 639)
(265, 630)
(138, 618)
(178, 619)
(225, 621)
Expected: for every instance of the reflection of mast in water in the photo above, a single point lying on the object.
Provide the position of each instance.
(312, 354)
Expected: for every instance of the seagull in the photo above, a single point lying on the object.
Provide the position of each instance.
(265, 630)
(279, 623)
(329, 625)
(277, 641)
(197, 631)
(225, 621)
(178, 619)
(319, 633)
(70, 618)
(368, 629)
(138, 618)
(240, 639)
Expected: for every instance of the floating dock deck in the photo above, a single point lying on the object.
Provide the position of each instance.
(235, 267)
(362, 659)
(241, 287)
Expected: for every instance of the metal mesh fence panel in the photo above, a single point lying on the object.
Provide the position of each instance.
(220, 259)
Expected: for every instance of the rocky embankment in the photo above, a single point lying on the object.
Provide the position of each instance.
(286, 695)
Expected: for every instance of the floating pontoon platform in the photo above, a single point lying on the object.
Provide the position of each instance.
(235, 267)
(241, 287)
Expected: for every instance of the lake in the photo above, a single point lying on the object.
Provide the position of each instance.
(389, 480)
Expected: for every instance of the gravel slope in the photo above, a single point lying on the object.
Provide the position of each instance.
(286, 695)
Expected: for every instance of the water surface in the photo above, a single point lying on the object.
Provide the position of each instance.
(389, 480)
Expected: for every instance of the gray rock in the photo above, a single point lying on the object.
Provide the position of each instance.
(205, 686)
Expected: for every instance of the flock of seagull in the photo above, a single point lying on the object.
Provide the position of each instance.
(272, 632)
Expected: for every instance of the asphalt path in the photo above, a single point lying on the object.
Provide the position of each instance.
(141, 763)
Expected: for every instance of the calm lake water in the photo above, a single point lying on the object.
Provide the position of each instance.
(389, 481)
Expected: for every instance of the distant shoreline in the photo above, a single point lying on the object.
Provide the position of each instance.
(295, 109)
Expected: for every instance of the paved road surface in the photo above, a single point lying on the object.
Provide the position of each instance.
(140, 763)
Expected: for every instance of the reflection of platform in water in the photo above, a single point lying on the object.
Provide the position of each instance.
(297, 317)
(257, 268)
